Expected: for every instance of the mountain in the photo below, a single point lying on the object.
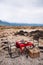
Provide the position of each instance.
(4, 23)
(18, 24)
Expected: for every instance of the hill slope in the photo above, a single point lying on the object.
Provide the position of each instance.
(4, 23)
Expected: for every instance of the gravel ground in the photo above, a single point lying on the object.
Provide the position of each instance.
(21, 60)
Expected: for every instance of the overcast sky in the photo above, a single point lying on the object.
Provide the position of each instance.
(21, 11)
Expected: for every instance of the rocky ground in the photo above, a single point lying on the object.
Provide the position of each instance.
(21, 60)
(8, 35)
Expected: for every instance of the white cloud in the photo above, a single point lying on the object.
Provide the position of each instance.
(25, 11)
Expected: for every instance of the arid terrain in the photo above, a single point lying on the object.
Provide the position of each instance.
(13, 34)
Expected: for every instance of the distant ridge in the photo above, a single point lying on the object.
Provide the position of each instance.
(4, 23)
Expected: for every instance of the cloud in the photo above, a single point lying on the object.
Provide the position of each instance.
(25, 11)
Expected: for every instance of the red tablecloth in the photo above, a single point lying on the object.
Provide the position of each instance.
(20, 44)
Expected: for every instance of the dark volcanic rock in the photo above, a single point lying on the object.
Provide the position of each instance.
(37, 34)
(21, 32)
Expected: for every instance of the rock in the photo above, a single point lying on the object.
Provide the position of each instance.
(37, 34)
(21, 32)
